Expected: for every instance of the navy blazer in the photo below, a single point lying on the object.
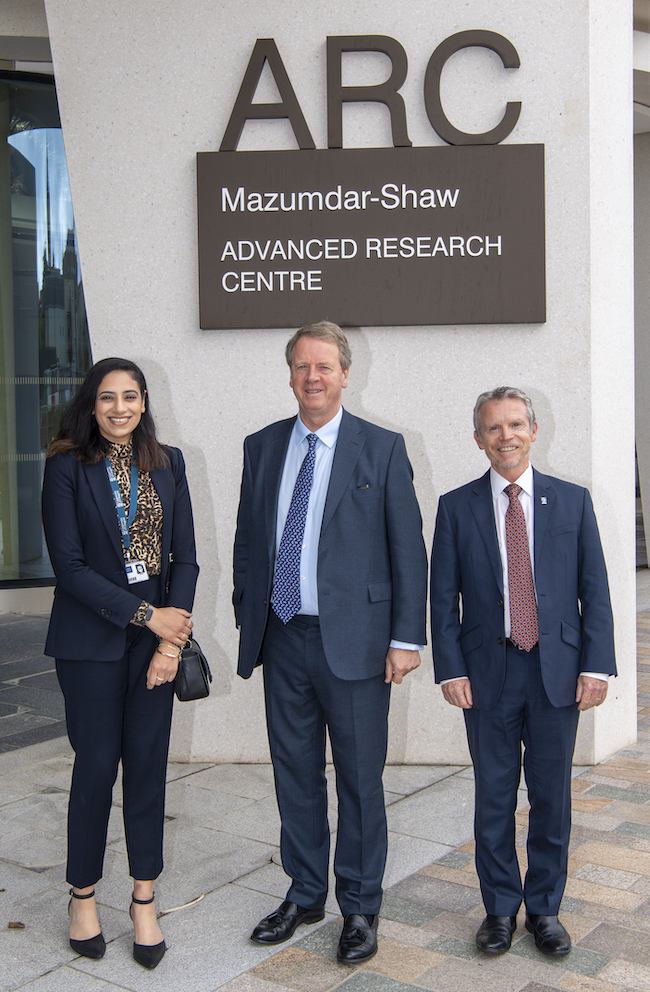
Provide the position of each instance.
(93, 602)
(372, 562)
(576, 632)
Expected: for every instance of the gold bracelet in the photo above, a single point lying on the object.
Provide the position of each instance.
(165, 655)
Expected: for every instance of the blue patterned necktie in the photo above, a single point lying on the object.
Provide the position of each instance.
(286, 584)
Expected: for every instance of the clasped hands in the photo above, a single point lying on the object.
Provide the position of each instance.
(173, 626)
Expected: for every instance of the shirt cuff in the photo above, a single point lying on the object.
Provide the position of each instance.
(589, 675)
(140, 615)
(406, 646)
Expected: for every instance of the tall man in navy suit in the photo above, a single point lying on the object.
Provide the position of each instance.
(330, 596)
(523, 641)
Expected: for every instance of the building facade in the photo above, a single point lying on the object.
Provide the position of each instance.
(143, 88)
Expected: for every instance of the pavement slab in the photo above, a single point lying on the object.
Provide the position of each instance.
(42, 945)
(23, 637)
(191, 805)
(66, 979)
(619, 942)
(248, 781)
(443, 814)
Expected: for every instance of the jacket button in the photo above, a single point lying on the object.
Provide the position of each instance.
(107, 613)
(499, 602)
(499, 640)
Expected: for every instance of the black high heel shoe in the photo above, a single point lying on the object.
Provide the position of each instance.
(94, 947)
(148, 955)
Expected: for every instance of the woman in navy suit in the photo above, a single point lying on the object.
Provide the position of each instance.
(118, 524)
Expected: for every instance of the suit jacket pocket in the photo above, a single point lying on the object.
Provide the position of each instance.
(379, 591)
(570, 635)
(471, 639)
(367, 492)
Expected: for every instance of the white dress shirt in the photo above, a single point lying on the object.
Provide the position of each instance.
(500, 503)
(296, 451)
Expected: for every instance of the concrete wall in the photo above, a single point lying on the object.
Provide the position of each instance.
(23, 18)
(143, 87)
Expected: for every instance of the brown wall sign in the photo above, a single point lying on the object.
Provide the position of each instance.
(372, 236)
(379, 236)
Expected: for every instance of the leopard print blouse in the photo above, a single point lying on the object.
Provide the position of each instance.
(146, 529)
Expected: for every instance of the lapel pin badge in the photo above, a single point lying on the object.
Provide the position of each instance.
(544, 500)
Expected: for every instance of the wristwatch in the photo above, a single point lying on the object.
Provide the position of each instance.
(148, 614)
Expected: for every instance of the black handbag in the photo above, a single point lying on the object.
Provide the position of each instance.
(194, 676)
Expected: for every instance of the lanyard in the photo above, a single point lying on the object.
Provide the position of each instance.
(119, 505)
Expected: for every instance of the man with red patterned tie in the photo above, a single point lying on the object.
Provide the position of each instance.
(522, 641)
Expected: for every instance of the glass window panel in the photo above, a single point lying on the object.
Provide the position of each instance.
(44, 341)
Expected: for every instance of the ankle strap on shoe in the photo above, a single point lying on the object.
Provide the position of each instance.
(143, 902)
(75, 895)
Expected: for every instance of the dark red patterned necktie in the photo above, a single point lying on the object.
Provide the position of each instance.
(524, 631)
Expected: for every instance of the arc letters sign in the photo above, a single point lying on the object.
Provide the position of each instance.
(375, 236)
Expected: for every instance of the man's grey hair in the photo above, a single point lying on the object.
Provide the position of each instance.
(502, 393)
(326, 330)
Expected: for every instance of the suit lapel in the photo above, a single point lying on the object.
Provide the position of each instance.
(483, 511)
(103, 496)
(349, 446)
(544, 501)
(275, 454)
(163, 486)
(100, 488)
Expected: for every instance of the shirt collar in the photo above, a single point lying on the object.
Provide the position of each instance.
(328, 433)
(120, 451)
(498, 483)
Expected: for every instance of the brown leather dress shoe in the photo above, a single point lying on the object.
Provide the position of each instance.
(495, 934)
(550, 936)
(359, 938)
(281, 925)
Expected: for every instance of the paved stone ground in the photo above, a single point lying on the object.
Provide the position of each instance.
(31, 705)
(221, 843)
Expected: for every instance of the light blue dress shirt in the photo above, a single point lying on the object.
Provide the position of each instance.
(298, 448)
(296, 451)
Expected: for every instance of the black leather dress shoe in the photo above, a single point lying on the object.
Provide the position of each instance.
(550, 936)
(281, 925)
(359, 938)
(495, 934)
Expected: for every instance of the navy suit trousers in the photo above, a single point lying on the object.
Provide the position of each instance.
(303, 697)
(112, 716)
(523, 714)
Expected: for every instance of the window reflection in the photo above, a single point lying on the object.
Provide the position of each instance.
(44, 343)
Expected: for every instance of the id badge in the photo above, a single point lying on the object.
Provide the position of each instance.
(136, 571)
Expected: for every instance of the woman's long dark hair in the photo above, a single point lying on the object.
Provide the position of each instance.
(79, 434)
